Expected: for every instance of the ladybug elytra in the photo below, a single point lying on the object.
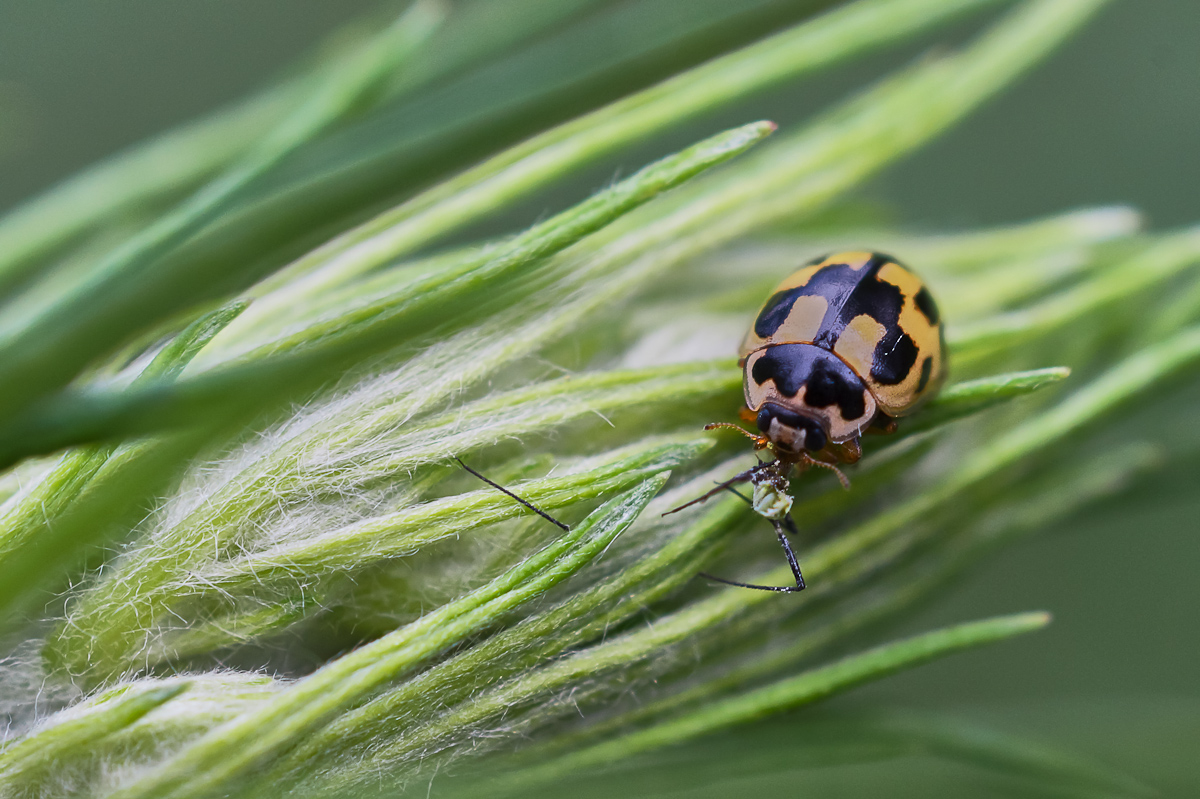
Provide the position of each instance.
(848, 342)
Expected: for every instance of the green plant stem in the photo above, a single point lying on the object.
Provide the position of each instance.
(405, 531)
(969, 397)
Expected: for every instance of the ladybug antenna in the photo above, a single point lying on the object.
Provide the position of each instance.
(760, 442)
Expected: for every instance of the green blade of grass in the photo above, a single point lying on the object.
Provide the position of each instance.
(130, 725)
(407, 530)
(969, 397)
(536, 640)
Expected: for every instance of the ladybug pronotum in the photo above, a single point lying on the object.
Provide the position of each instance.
(848, 342)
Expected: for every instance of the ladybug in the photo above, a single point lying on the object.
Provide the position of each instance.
(844, 345)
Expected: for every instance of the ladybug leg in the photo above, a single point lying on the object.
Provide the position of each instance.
(739, 495)
(882, 424)
(744, 477)
(504, 490)
(787, 549)
(791, 559)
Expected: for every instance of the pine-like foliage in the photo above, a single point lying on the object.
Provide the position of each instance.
(259, 343)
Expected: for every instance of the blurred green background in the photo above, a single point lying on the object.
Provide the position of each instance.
(1112, 118)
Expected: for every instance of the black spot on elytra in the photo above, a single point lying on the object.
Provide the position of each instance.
(894, 358)
(926, 373)
(776, 311)
(828, 387)
(850, 293)
(828, 380)
(927, 306)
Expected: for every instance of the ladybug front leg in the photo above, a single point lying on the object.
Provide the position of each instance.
(882, 424)
(744, 477)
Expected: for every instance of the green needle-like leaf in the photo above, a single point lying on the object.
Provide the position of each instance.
(803, 689)
(31, 758)
(515, 172)
(230, 753)
(123, 292)
(262, 504)
(430, 301)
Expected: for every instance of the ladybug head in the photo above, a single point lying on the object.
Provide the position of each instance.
(789, 431)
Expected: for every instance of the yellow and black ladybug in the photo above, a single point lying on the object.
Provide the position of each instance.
(848, 342)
